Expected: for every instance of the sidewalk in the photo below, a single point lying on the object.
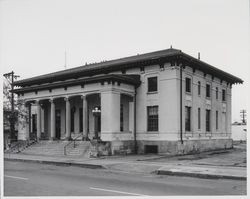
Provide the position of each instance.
(222, 164)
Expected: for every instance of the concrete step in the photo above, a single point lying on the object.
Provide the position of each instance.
(57, 148)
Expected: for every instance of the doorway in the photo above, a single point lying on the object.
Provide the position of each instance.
(58, 124)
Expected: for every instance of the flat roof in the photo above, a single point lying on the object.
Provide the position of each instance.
(129, 62)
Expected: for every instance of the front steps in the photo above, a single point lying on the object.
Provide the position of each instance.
(56, 148)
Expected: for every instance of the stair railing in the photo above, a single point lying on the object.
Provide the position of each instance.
(72, 141)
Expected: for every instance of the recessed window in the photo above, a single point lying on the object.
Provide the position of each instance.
(223, 95)
(72, 119)
(152, 118)
(216, 122)
(217, 91)
(208, 120)
(199, 118)
(121, 117)
(187, 118)
(81, 119)
(152, 84)
(208, 90)
(188, 85)
(199, 88)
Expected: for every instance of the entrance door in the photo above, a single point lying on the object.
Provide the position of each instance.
(58, 124)
(34, 127)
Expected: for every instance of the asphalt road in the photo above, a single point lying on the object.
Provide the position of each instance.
(34, 179)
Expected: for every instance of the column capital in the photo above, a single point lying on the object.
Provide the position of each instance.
(51, 100)
(37, 102)
(83, 96)
(66, 99)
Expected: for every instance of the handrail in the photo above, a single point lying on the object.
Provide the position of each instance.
(74, 141)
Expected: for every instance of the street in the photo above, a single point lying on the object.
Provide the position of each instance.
(34, 179)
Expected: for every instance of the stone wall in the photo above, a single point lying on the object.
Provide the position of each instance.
(188, 147)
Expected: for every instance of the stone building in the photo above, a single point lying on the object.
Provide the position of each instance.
(162, 102)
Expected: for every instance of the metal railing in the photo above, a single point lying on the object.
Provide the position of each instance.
(19, 146)
(72, 141)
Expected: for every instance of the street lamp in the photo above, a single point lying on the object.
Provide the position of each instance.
(96, 113)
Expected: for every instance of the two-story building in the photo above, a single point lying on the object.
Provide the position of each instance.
(164, 102)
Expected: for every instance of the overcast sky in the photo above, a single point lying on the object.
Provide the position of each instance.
(34, 34)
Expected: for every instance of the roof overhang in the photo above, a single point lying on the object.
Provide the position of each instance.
(127, 79)
(158, 57)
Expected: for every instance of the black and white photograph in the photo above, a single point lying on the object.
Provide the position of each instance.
(115, 98)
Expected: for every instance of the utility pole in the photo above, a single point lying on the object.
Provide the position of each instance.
(10, 77)
(243, 115)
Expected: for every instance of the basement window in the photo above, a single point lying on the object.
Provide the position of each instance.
(151, 149)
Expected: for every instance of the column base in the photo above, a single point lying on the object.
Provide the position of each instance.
(85, 139)
(52, 139)
(68, 138)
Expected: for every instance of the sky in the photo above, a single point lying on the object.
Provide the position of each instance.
(34, 34)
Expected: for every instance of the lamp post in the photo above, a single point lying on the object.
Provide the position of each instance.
(96, 113)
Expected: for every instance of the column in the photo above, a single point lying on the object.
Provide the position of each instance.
(110, 114)
(38, 123)
(67, 118)
(52, 120)
(85, 117)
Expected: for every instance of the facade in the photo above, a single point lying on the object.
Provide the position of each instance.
(164, 102)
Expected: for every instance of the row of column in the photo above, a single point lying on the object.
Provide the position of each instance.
(67, 118)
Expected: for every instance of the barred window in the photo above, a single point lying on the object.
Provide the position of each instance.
(188, 85)
(187, 118)
(152, 118)
(152, 84)
(208, 120)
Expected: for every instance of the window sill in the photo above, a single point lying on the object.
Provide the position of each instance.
(188, 93)
(152, 92)
(153, 132)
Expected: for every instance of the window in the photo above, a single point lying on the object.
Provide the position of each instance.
(81, 119)
(72, 119)
(199, 118)
(208, 120)
(216, 123)
(199, 88)
(188, 85)
(152, 118)
(152, 84)
(208, 90)
(223, 95)
(217, 92)
(121, 117)
(187, 118)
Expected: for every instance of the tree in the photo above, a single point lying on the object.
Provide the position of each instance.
(18, 111)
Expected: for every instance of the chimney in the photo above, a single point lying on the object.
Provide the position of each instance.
(199, 55)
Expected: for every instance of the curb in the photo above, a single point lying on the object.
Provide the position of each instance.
(199, 175)
(83, 165)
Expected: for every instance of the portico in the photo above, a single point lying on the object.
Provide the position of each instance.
(61, 114)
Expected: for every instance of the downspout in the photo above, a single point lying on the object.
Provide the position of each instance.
(135, 141)
(181, 104)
